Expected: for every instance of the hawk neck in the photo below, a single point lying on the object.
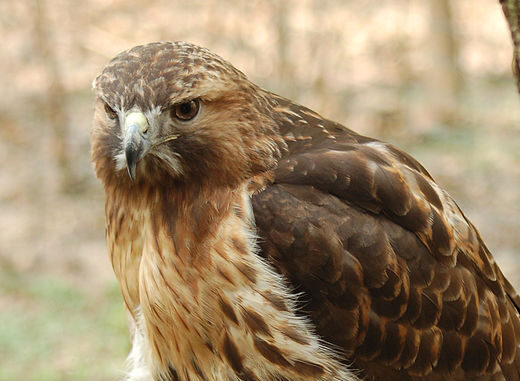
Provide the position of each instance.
(204, 304)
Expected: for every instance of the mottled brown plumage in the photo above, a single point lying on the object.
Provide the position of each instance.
(255, 240)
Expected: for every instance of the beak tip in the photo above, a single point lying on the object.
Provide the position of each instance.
(131, 172)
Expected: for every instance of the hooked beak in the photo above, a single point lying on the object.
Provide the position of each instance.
(135, 143)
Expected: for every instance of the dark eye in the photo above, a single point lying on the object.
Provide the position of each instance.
(185, 111)
(110, 112)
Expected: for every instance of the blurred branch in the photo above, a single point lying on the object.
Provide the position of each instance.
(512, 12)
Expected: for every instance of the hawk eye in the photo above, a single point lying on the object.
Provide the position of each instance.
(110, 112)
(186, 110)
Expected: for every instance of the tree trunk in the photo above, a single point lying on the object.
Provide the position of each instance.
(445, 77)
(285, 72)
(512, 12)
(54, 104)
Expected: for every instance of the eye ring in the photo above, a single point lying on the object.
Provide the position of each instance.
(111, 113)
(186, 110)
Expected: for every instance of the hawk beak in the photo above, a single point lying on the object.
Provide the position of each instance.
(135, 142)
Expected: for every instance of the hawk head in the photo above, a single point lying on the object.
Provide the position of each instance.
(177, 111)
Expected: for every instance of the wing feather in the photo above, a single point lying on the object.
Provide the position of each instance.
(392, 271)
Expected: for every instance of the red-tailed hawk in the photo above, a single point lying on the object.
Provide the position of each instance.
(255, 240)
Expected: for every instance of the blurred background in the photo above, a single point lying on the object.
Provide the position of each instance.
(431, 76)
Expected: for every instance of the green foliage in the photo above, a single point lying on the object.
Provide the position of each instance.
(51, 330)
